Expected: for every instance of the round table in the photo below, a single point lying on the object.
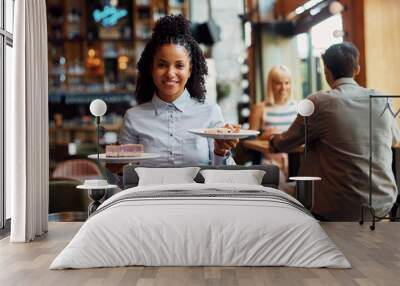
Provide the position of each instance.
(96, 194)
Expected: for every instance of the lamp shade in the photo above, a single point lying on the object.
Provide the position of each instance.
(98, 107)
(305, 107)
(336, 7)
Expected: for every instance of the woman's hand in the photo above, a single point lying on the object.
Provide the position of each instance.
(222, 146)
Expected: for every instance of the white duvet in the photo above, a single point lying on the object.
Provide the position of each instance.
(207, 230)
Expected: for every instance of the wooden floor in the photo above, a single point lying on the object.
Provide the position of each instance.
(374, 255)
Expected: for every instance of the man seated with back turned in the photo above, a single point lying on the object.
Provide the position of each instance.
(338, 142)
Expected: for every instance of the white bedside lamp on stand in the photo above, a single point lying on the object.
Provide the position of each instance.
(98, 108)
(96, 188)
(305, 185)
(305, 108)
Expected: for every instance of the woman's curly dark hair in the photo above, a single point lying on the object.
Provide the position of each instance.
(173, 29)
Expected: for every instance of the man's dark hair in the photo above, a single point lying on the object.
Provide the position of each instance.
(171, 30)
(341, 59)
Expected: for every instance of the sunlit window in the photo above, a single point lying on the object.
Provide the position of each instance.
(322, 35)
(9, 11)
(310, 48)
(326, 34)
(302, 45)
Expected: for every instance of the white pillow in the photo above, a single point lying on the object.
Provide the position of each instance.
(249, 177)
(166, 176)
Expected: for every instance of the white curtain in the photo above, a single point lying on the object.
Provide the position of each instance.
(27, 124)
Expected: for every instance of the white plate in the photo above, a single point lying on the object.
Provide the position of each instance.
(305, 178)
(226, 136)
(124, 160)
(88, 187)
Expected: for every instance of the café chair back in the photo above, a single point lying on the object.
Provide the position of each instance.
(78, 169)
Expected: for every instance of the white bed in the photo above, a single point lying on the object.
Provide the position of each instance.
(201, 224)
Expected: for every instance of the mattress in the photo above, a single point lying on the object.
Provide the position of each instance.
(201, 225)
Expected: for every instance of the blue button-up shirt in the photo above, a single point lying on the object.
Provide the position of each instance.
(162, 128)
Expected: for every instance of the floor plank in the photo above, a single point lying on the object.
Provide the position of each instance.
(374, 255)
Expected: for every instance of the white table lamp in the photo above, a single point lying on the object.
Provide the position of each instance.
(98, 108)
(305, 108)
(305, 185)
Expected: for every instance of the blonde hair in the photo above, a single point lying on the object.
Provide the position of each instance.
(274, 71)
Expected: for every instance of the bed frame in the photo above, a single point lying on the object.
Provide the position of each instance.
(270, 179)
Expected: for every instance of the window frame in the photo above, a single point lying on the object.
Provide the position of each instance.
(6, 39)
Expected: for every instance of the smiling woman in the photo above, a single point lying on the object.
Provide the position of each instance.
(276, 113)
(171, 70)
(172, 37)
(171, 95)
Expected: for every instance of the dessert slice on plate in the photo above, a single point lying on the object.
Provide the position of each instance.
(125, 150)
(221, 130)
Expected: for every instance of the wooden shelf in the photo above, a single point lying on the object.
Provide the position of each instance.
(86, 133)
(143, 6)
(64, 39)
(81, 40)
(142, 39)
(76, 75)
(80, 128)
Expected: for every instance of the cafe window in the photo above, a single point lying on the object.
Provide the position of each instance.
(312, 45)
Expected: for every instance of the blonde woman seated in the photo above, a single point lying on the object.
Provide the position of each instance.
(275, 114)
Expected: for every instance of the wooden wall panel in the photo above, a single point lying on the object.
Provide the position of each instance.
(372, 25)
(382, 45)
(353, 25)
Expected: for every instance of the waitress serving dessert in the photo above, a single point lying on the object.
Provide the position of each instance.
(171, 92)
